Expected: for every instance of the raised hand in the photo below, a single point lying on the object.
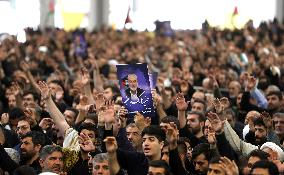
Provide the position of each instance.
(46, 123)
(160, 83)
(4, 118)
(181, 104)
(229, 166)
(31, 116)
(267, 120)
(217, 105)
(249, 121)
(171, 134)
(86, 143)
(213, 81)
(216, 123)
(99, 100)
(107, 112)
(251, 83)
(225, 103)
(211, 138)
(279, 165)
(76, 88)
(16, 89)
(156, 98)
(83, 104)
(122, 112)
(244, 78)
(141, 121)
(44, 90)
(85, 76)
(2, 136)
(111, 145)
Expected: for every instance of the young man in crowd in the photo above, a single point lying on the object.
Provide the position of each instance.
(134, 162)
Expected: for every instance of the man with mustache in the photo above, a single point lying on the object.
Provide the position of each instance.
(51, 159)
(30, 146)
(257, 134)
(261, 131)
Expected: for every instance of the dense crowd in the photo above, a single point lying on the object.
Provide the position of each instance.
(219, 106)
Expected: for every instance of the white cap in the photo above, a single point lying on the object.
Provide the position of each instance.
(275, 148)
(245, 131)
(48, 173)
(113, 62)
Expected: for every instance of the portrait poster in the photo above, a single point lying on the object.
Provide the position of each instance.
(135, 89)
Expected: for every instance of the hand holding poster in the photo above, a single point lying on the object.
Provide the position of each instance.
(153, 79)
(135, 89)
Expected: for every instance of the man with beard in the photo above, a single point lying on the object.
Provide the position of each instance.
(274, 101)
(261, 132)
(194, 128)
(191, 124)
(257, 134)
(201, 155)
(31, 145)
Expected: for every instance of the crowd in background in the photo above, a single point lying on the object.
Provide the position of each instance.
(218, 99)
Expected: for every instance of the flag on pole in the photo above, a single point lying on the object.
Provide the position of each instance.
(235, 11)
(127, 19)
(234, 16)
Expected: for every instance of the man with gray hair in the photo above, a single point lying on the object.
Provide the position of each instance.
(134, 136)
(133, 92)
(51, 159)
(100, 164)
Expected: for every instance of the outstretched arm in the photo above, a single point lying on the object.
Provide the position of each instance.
(54, 112)
(236, 143)
(255, 93)
(6, 163)
(181, 106)
(175, 160)
(16, 89)
(111, 147)
(86, 85)
(26, 68)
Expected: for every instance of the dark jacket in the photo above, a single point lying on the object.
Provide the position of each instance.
(134, 163)
(139, 92)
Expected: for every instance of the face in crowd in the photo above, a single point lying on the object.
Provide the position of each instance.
(134, 136)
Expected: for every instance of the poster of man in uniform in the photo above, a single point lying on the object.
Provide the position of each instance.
(135, 89)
